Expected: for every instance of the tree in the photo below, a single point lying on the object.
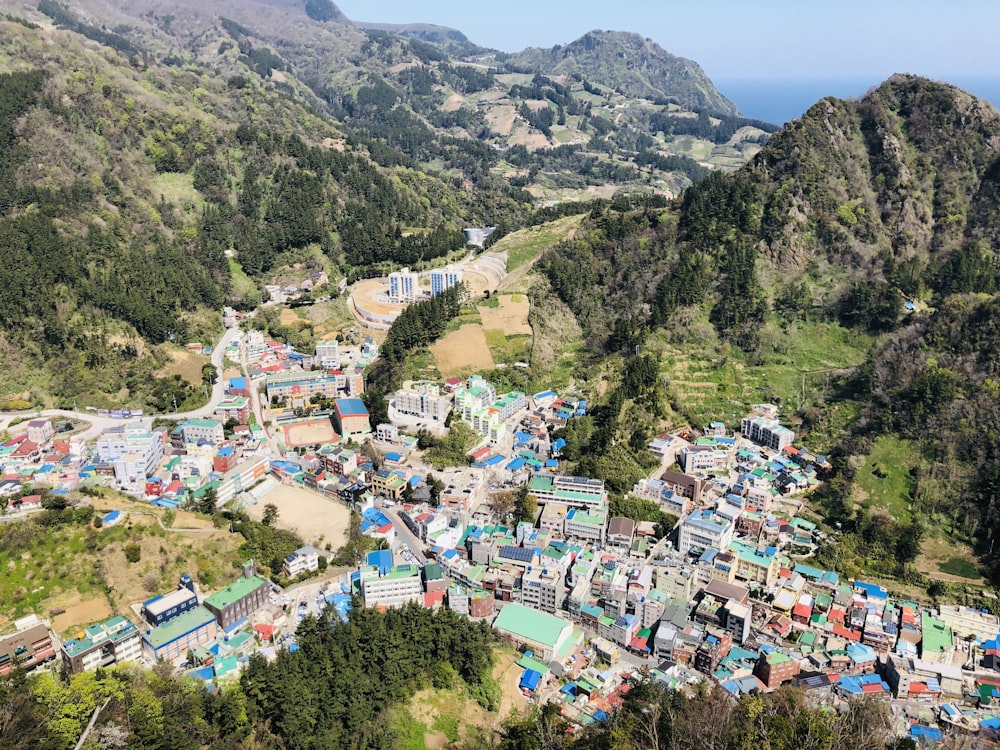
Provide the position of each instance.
(502, 503)
(133, 552)
(270, 514)
(151, 582)
(525, 505)
(207, 502)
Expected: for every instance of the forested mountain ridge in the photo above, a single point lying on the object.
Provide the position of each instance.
(621, 113)
(127, 185)
(633, 66)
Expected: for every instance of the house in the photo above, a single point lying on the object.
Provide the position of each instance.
(621, 531)
(242, 598)
(27, 648)
(683, 484)
(103, 644)
(40, 431)
(303, 560)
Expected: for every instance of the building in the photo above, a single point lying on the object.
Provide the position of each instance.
(302, 385)
(443, 279)
(682, 484)
(241, 478)
(328, 353)
(767, 432)
(41, 431)
(938, 644)
(303, 560)
(404, 286)
(390, 588)
(351, 417)
(173, 639)
(241, 598)
(235, 408)
(621, 531)
(705, 529)
(548, 636)
(587, 525)
(133, 453)
(423, 400)
(968, 621)
(103, 644)
(911, 677)
(30, 646)
(203, 431)
(160, 609)
(573, 492)
(542, 588)
(774, 669)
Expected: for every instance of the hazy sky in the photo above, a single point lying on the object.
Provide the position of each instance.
(736, 38)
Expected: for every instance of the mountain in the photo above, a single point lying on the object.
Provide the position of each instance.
(633, 66)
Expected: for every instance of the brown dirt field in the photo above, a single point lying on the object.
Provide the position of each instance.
(435, 740)
(478, 283)
(935, 551)
(184, 363)
(187, 520)
(82, 614)
(452, 103)
(522, 135)
(511, 316)
(309, 433)
(463, 351)
(508, 674)
(501, 120)
(366, 291)
(289, 317)
(307, 513)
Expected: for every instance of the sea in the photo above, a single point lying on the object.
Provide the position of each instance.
(779, 100)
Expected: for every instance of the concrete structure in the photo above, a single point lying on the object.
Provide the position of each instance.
(443, 279)
(328, 353)
(767, 432)
(172, 640)
(241, 478)
(134, 454)
(236, 408)
(301, 385)
(423, 400)
(241, 598)
(404, 286)
(161, 609)
(103, 644)
(968, 621)
(30, 646)
(41, 431)
(775, 668)
(392, 588)
(303, 560)
(908, 676)
(705, 529)
(621, 532)
(203, 431)
(682, 484)
(938, 644)
(548, 636)
(586, 525)
(542, 588)
(351, 417)
(573, 492)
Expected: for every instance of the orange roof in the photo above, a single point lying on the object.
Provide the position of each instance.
(876, 688)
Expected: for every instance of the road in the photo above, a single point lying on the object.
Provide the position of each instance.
(100, 424)
(403, 533)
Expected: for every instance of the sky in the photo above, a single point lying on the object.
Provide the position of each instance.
(734, 39)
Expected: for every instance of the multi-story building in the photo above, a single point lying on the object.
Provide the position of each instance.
(172, 640)
(621, 531)
(423, 400)
(203, 431)
(767, 432)
(588, 525)
(969, 621)
(241, 598)
(302, 385)
(546, 635)
(392, 588)
(160, 609)
(328, 353)
(542, 588)
(133, 452)
(103, 644)
(752, 564)
(30, 646)
(303, 560)
(41, 431)
(684, 485)
(712, 650)
(241, 478)
(573, 492)
(706, 529)
(351, 417)
(236, 408)
(775, 668)
(702, 458)
(404, 286)
(445, 278)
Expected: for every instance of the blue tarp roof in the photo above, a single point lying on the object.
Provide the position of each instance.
(381, 559)
(112, 516)
(530, 679)
(394, 457)
(516, 465)
(601, 715)
(552, 464)
(494, 460)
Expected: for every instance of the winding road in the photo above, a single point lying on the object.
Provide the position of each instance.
(100, 424)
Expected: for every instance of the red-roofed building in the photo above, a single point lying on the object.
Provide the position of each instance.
(266, 632)
(780, 625)
(27, 450)
(842, 632)
(61, 447)
(836, 615)
(802, 612)
(481, 453)
(16, 440)
(434, 599)
(29, 502)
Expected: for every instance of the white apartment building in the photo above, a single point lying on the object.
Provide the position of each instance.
(328, 353)
(587, 525)
(705, 529)
(302, 560)
(542, 588)
(404, 286)
(445, 278)
(198, 430)
(423, 400)
(400, 585)
(767, 432)
(134, 454)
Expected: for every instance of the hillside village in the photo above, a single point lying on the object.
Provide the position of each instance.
(723, 589)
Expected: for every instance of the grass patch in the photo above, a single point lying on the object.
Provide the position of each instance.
(421, 366)
(178, 189)
(408, 731)
(884, 479)
(526, 245)
(959, 566)
(243, 287)
(448, 726)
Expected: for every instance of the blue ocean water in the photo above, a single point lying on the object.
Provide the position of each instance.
(780, 100)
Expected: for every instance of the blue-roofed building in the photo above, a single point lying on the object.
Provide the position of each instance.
(529, 680)
(110, 519)
(381, 559)
(351, 417)
(516, 464)
(871, 590)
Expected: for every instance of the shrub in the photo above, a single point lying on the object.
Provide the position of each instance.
(133, 552)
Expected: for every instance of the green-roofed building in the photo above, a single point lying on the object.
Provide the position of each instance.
(938, 644)
(546, 635)
(173, 639)
(102, 644)
(241, 598)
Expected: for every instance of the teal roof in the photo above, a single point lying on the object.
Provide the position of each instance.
(235, 591)
(530, 624)
(181, 625)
